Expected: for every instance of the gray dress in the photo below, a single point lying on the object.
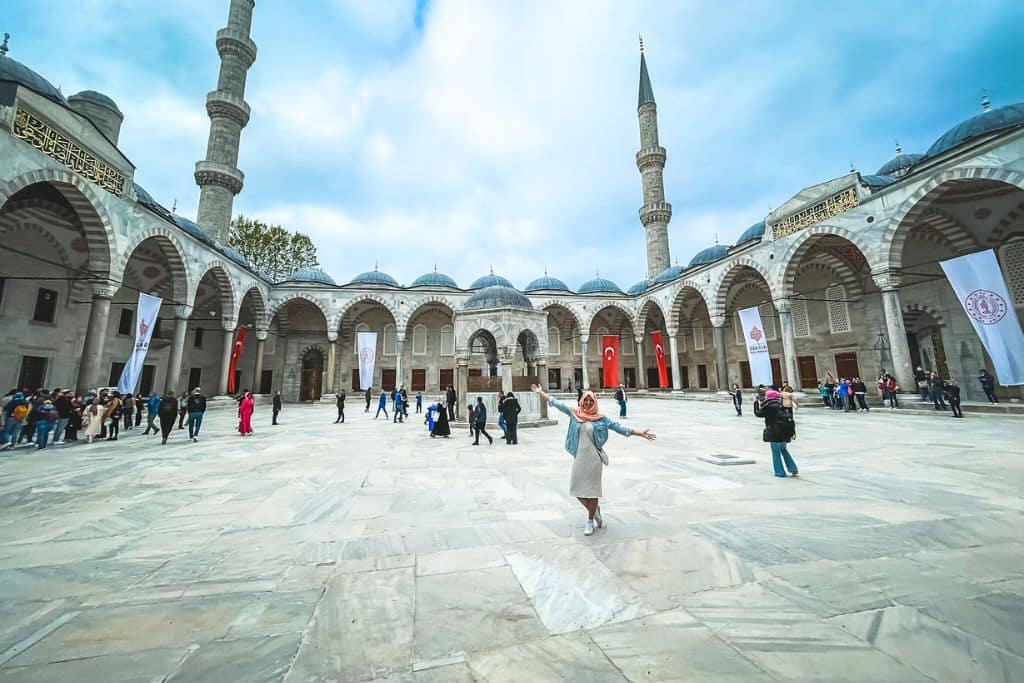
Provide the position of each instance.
(587, 467)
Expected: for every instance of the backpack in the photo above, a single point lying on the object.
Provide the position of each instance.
(784, 425)
(20, 412)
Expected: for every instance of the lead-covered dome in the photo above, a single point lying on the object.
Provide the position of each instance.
(547, 284)
(710, 255)
(599, 285)
(434, 279)
(899, 164)
(490, 280)
(14, 71)
(991, 121)
(640, 287)
(754, 232)
(374, 277)
(192, 228)
(670, 273)
(311, 275)
(497, 296)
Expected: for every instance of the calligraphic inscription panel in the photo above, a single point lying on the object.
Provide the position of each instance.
(812, 215)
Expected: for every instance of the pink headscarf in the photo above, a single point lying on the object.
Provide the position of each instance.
(771, 393)
(587, 410)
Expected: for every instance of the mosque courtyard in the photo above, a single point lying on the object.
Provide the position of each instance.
(368, 551)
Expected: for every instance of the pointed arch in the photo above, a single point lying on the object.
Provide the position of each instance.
(183, 285)
(230, 303)
(276, 306)
(335, 322)
(686, 289)
(259, 305)
(727, 278)
(796, 252)
(421, 306)
(603, 305)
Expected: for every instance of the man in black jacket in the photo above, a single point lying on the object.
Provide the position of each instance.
(480, 421)
(62, 403)
(276, 407)
(510, 408)
(341, 407)
(451, 398)
(195, 406)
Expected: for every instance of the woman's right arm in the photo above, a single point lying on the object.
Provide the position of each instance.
(554, 402)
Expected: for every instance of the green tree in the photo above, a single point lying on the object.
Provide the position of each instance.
(271, 248)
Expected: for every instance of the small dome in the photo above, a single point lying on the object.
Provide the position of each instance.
(374, 277)
(710, 255)
(191, 228)
(877, 182)
(992, 121)
(490, 280)
(754, 232)
(497, 296)
(314, 275)
(233, 254)
(899, 163)
(15, 72)
(95, 98)
(670, 273)
(434, 279)
(547, 283)
(599, 285)
(640, 287)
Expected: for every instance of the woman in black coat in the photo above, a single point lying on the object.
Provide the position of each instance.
(779, 429)
(441, 427)
(168, 412)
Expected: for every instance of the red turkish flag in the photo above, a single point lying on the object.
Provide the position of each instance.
(236, 353)
(659, 355)
(610, 361)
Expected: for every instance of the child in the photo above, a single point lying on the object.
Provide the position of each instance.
(419, 402)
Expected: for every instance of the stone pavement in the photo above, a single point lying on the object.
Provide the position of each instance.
(366, 551)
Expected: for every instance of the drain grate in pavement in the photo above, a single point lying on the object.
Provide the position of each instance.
(726, 459)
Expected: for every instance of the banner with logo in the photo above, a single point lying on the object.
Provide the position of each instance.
(366, 348)
(610, 360)
(757, 346)
(979, 285)
(236, 353)
(145, 320)
(659, 356)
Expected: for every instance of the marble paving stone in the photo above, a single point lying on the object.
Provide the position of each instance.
(448, 561)
(262, 659)
(913, 638)
(983, 564)
(673, 646)
(82, 579)
(143, 666)
(305, 577)
(996, 617)
(572, 657)
(465, 611)
(19, 620)
(275, 613)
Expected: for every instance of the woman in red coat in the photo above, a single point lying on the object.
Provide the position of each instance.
(245, 413)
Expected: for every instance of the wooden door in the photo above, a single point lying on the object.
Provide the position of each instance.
(684, 376)
(652, 378)
(355, 380)
(446, 378)
(554, 378)
(387, 379)
(312, 377)
(846, 365)
(702, 376)
(808, 372)
(746, 380)
(146, 385)
(266, 381)
(195, 379)
(776, 373)
(419, 379)
(629, 377)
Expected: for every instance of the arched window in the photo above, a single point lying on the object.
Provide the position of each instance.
(447, 340)
(419, 340)
(361, 327)
(801, 323)
(554, 342)
(838, 312)
(390, 339)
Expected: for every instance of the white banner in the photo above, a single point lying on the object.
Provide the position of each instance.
(757, 347)
(145, 320)
(366, 344)
(978, 283)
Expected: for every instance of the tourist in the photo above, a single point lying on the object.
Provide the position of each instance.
(46, 418)
(340, 402)
(275, 407)
(182, 409)
(759, 398)
(428, 419)
(382, 404)
(587, 450)
(368, 399)
(419, 402)
(451, 398)
(62, 404)
(399, 408)
(168, 411)
(152, 411)
(15, 413)
(825, 398)
(891, 387)
(830, 389)
(620, 398)
(75, 421)
(843, 394)
(737, 399)
(779, 429)
(921, 377)
(501, 415)
(140, 402)
(480, 421)
(245, 410)
(440, 426)
(788, 399)
(935, 386)
(92, 418)
(195, 407)
(951, 390)
(128, 410)
(469, 418)
(28, 425)
(860, 391)
(113, 412)
(510, 409)
(988, 384)
(405, 401)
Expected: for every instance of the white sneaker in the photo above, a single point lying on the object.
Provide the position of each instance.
(598, 519)
(589, 529)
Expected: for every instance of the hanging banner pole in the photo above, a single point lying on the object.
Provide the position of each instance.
(757, 346)
(145, 320)
(366, 348)
(236, 353)
(659, 356)
(979, 285)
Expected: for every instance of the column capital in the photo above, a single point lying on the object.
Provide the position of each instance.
(182, 311)
(584, 338)
(887, 280)
(462, 359)
(541, 361)
(400, 339)
(639, 338)
(228, 324)
(783, 306)
(261, 335)
(332, 337)
(103, 289)
(671, 332)
(718, 320)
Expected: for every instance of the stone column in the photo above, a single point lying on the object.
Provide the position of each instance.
(225, 358)
(542, 378)
(673, 347)
(586, 373)
(721, 363)
(332, 348)
(173, 377)
(261, 344)
(889, 282)
(641, 369)
(399, 358)
(95, 334)
(790, 365)
(506, 372)
(461, 385)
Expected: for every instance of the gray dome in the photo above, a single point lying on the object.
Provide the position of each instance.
(434, 279)
(710, 255)
(15, 72)
(599, 285)
(876, 182)
(754, 232)
(314, 275)
(640, 287)
(96, 98)
(995, 120)
(547, 283)
(490, 280)
(670, 273)
(497, 296)
(374, 277)
(900, 162)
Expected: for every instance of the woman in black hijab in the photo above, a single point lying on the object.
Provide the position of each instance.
(441, 427)
(168, 413)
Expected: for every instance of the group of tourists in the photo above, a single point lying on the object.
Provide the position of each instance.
(850, 393)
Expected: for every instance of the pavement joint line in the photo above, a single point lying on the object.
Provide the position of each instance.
(34, 638)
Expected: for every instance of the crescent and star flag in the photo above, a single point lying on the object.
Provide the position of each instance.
(145, 320)
(610, 360)
(659, 356)
(757, 346)
(978, 283)
(366, 347)
(236, 353)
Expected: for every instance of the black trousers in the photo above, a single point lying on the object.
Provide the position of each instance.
(274, 417)
(166, 424)
(954, 403)
(451, 411)
(341, 414)
(512, 430)
(479, 429)
(115, 427)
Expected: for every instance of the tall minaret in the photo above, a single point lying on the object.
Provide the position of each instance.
(656, 212)
(218, 177)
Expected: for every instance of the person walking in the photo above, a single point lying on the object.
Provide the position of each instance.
(584, 441)
(860, 391)
(275, 407)
(128, 411)
(789, 399)
(451, 398)
(195, 406)
(620, 398)
(480, 421)
(921, 377)
(113, 412)
(419, 402)
(952, 393)
(368, 399)
(182, 409)
(501, 415)
(382, 404)
(779, 429)
(399, 408)
(737, 399)
(62, 404)
(440, 427)
(140, 403)
(152, 411)
(469, 418)
(92, 418)
(988, 385)
(245, 410)
(15, 413)
(510, 409)
(46, 418)
(340, 402)
(168, 411)
(405, 401)
(935, 386)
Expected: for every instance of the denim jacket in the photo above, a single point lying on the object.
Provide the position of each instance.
(601, 427)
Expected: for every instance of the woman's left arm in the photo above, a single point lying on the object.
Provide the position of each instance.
(622, 429)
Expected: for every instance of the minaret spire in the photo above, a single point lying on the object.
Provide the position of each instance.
(650, 160)
(217, 176)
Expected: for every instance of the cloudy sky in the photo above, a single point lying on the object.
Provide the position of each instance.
(480, 134)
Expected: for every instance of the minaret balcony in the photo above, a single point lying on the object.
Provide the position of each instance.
(212, 173)
(231, 41)
(655, 212)
(651, 156)
(220, 103)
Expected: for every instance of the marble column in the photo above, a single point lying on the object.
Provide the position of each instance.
(506, 372)
(261, 344)
(673, 347)
(641, 370)
(225, 358)
(899, 349)
(542, 379)
(332, 349)
(173, 378)
(721, 362)
(461, 385)
(95, 335)
(790, 366)
(586, 358)
(399, 362)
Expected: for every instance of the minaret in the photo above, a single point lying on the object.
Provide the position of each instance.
(656, 212)
(218, 177)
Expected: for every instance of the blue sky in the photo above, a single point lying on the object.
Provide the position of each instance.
(479, 134)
